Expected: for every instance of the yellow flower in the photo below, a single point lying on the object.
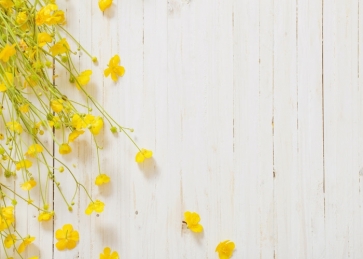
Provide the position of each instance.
(77, 122)
(6, 217)
(192, 219)
(49, 15)
(108, 255)
(3, 87)
(141, 155)
(225, 249)
(44, 38)
(21, 19)
(94, 124)
(96, 206)
(102, 179)
(45, 216)
(56, 105)
(114, 69)
(28, 185)
(64, 149)
(74, 134)
(84, 77)
(24, 108)
(23, 164)
(34, 257)
(104, 4)
(60, 47)
(14, 126)
(7, 52)
(34, 149)
(27, 241)
(67, 237)
(6, 3)
(9, 240)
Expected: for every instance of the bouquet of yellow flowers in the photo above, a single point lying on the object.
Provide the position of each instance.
(33, 43)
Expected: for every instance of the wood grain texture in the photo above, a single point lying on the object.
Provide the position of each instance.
(254, 112)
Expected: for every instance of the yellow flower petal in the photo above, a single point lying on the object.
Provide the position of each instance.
(225, 249)
(192, 219)
(114, 69)
(64, 149)
(102, 179)
(75, 134)
(23, 164)
(27, 186)
(142, 155)
(104, 4)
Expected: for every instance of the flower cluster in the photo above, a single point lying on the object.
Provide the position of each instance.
(33, 45)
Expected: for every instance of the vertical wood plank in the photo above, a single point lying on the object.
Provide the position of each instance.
(253, 172)
(286, 185)
(310, 231)
(341, 115)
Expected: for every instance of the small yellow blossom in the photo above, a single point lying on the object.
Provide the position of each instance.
(60, 47)
(49, 15)
(3, 87)
(14, 126)
(114, 69)
(67, 237)
(27, 241)
(6, 217)
(6, 3)
(94, 124)
(225, 249)
(141, 155)
(23, 164)
(74, 134)
(56, 105)
(28, 185)
(9, 240)
(108, 255)
(77, 122)
(64, 149)
(24, 108)
(61, 169)
(34, 257)
(21, 19)
(192, 219)
(45, 216)
(34, 149)
(104, 4)
(102, 179)
(84, 77)
(44, 38)
(7, 52)
(96, 206)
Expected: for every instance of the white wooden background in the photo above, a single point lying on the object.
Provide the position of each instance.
(254, 111)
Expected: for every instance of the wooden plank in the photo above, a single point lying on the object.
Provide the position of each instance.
(286, 193)
(309, 183)
(341, 132)
(253, 153)
(200, 90)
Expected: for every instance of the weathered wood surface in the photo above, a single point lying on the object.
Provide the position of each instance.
(254, 111)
